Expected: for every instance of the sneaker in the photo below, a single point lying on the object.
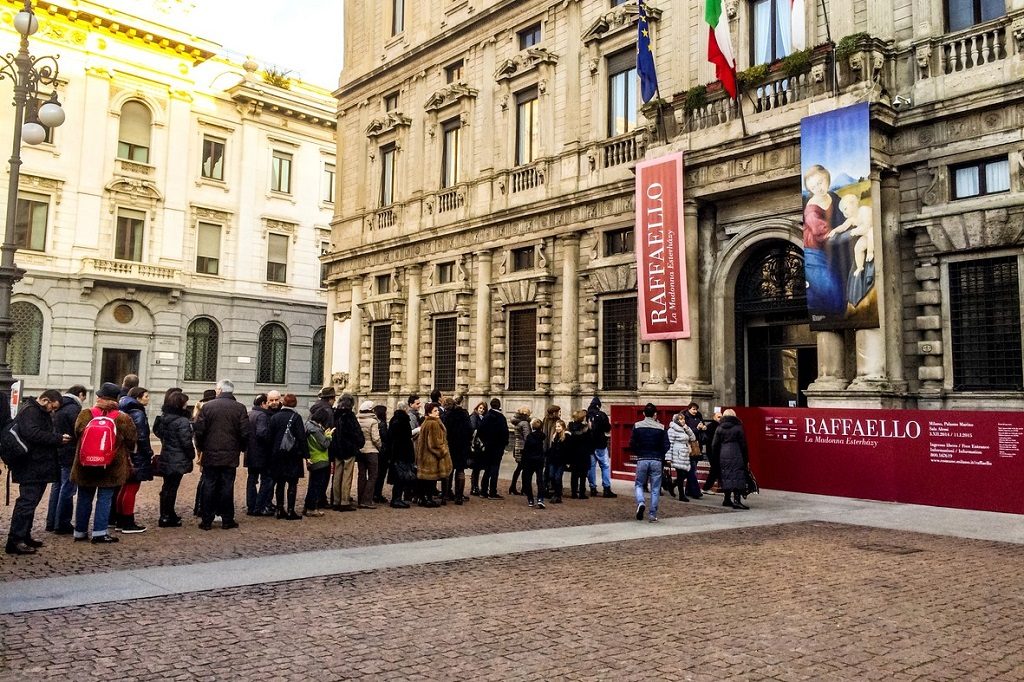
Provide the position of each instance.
(19, 548)
(33, 543)
(103, 539)
(653, 519)
(529, 503)
(132, 527)
(540, 504)
(640, 509)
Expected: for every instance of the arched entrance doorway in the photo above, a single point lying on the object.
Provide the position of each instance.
(776, 353)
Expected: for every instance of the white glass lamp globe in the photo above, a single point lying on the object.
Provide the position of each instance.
(51, 114)
(26, 23)
(33, 133)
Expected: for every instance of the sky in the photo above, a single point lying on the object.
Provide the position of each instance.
(303, 36)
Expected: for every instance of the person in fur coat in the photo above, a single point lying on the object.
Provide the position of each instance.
(680, 435)
(433, 460)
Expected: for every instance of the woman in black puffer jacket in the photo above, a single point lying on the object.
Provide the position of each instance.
(174, 429)
(134, 405)
(730, 445)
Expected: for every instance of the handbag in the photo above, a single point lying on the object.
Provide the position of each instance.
(695, 449)
(288, 439)
(405, 472)
(752, 487)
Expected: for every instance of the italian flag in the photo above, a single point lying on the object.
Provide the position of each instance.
(720, 45)
(798, 24)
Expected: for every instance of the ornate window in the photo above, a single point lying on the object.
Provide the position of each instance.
(201, 343)
(522, 349)
(134, 131)
(451, 151)
(529, 36)
(772, 281)
(25, 349)
(380, 368)
(277, 258)
(387, 175)
(444, 353)
(316, 367)
(623, 89)
(961, 14)
(619, 344)
(208, 249)
(985, 322)
(527, 126)
(273, 355)
(128, 239)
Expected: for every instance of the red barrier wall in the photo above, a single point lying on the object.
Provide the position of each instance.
(965, 460)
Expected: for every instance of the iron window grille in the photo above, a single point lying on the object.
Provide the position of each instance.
(201, 342)
(316, 366)
(985, 322)
(273, 355)
(619, 344)
(522, 349)
(444, 353)
(380, 369)
(25, 349)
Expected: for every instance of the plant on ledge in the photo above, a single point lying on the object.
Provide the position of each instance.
(696, 98)
(755, 75)
(278, 78)
(850, 44)
(796, 63)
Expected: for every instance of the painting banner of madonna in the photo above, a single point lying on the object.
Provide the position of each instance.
(838, 224)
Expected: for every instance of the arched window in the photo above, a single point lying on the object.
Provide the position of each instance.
(273, 355)
(25, 348)
(133, 135)
(316, 368)
(201, 350)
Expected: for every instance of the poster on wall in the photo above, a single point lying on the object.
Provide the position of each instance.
(662, 302)
(838, 223)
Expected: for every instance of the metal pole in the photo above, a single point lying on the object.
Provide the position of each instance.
(9, 272)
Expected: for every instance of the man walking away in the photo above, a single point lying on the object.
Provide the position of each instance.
(36, 469)
(62, 494)
(494, 434)
(600, 429)
(222, 433)
(649, 444)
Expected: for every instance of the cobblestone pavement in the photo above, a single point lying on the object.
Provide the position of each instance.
(258, 536)
(811, 601)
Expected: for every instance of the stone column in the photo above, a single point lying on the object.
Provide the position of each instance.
(570, 380)
(687, 351)
(356, 337)
(661, 359)
(482, 357)
(411, 371)
(332, 309)
(831, 362)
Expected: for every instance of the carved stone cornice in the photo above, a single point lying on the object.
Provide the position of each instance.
(135, 188)
(280, 226)
(618, 19)
(610, 279)
(37, 183)
(991, 228)
(212, 215)
(450, 94)
(524, 62)
(390, 121)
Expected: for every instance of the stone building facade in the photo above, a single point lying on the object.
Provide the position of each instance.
(485, 211)
(173, 225)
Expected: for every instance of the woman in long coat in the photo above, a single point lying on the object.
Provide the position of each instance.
(287, 464)
(730, 444)
(460, 438)
(433, 460)
(402, 456)
(174, 429)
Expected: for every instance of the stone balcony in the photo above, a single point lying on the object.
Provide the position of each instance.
(130, 272)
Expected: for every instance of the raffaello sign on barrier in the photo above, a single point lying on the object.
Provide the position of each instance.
(966, 460)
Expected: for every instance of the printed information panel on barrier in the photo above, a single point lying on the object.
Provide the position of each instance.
(966, 460)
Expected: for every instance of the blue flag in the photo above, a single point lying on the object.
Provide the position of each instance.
(644, 56)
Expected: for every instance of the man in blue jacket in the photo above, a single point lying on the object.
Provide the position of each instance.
(649, 444)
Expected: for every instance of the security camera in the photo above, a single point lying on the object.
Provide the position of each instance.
(902, 102)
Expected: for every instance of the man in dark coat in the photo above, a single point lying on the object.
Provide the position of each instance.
(62, 494)
(649, 443)
(259, 486)
(348, 440)
(322, 411)
(403, 454)
(222, 433)
(38, 468)
(460, 442)
(600, 428)
(494, 434)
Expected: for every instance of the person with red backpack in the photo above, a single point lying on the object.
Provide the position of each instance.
(105, 437)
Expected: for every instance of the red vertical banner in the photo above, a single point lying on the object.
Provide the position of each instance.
(662, 301)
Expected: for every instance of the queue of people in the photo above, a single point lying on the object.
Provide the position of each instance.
(98, 456)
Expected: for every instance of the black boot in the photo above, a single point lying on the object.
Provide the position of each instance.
(18, 547)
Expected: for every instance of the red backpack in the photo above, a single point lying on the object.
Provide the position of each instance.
(99, 439)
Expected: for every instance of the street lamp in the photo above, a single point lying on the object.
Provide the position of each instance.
(27, 73)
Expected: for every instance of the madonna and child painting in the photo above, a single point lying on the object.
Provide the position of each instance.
(838, 222)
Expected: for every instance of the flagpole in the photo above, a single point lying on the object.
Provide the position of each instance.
(739, 105)
(828, 36)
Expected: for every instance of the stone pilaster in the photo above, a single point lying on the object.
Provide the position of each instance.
(482, 357)
(410, 373)
(355, 331)
(931, 371)
(570, 380)
(689, 377)
(661, 361)
(332, 311)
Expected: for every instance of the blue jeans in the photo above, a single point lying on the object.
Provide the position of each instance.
(555, 473)
(648, 469)
(600, 458)
(62, 501)
(104, 499)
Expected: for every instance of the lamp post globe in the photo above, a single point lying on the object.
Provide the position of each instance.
(25, 23)
(51, 114)
(33, 133)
